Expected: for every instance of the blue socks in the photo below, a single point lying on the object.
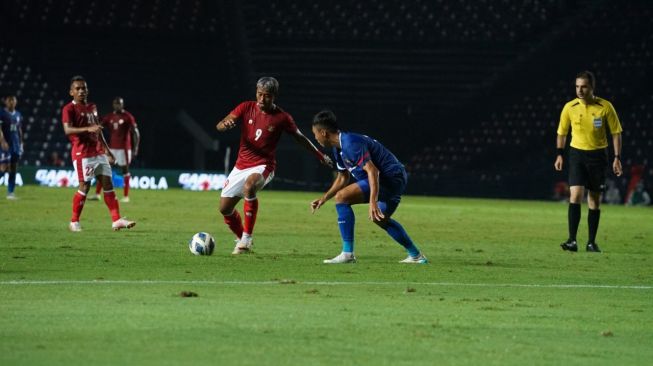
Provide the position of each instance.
(397, 232)
(12, 182)
(346, 220)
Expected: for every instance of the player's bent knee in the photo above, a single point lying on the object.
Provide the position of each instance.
(226, 210)
(383, 223)
(249, 190)
(342, 197)
(84, 186)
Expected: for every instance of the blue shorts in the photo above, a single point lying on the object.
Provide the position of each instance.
(8, 156)
(390, 191)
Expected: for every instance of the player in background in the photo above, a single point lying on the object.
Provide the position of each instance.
(590, 118)
(124, 139)
(11, 141)
(90, 154)
(380, 181)
(261, 124)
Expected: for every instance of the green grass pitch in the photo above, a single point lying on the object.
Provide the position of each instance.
(498, 290)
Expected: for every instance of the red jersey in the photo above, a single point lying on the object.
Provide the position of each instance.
(85, 144)
(119, 126)
(260, 134)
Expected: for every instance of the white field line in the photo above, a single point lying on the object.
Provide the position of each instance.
(319, 283)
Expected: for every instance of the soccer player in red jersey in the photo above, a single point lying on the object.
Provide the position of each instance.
(261, 124)
(90, 154)
(123, 142)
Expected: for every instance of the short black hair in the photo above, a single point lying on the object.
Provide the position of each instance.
(327, 120)
(77, 78)
(589, 76)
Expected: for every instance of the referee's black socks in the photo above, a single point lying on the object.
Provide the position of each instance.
(593, 217)
(573, 217)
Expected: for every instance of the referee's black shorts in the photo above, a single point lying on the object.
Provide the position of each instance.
(588, 168)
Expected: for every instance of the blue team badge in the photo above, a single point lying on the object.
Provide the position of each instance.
(598, 122)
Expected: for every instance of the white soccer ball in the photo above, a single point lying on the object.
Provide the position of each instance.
(201, 244)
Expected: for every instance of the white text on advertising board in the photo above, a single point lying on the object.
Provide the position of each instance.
(201, 181)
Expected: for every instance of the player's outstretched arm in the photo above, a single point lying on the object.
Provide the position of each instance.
(308, 145)
(226, 123)
(341, 181)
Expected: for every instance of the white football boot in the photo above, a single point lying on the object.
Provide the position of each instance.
(420, 259)
(75, 227)
(125, 200)
(95, 197)
(11, 197)
(341, 258)
(244, 245)
(122, 223)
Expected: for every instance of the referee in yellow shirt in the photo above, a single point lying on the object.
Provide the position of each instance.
(590, 119)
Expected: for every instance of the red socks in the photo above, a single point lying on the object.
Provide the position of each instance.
(78, 204)
(126, 185)
(251, 209)
(235, 223)
(112, 203)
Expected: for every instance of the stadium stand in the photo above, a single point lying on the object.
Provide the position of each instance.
(135, 49)
(39, 104)
(389, 52)
(494, 150)
(404, 21)
(468, 93)
(194, 16)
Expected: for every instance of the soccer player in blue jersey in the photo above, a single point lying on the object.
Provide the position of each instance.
(380, 181)
(11, 141)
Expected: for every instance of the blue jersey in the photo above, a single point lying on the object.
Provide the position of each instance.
(11, 126)
(356, 150)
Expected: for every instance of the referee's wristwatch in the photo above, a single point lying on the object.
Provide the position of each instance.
(618, 157)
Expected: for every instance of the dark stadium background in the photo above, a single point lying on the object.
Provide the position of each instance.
(466, 93)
